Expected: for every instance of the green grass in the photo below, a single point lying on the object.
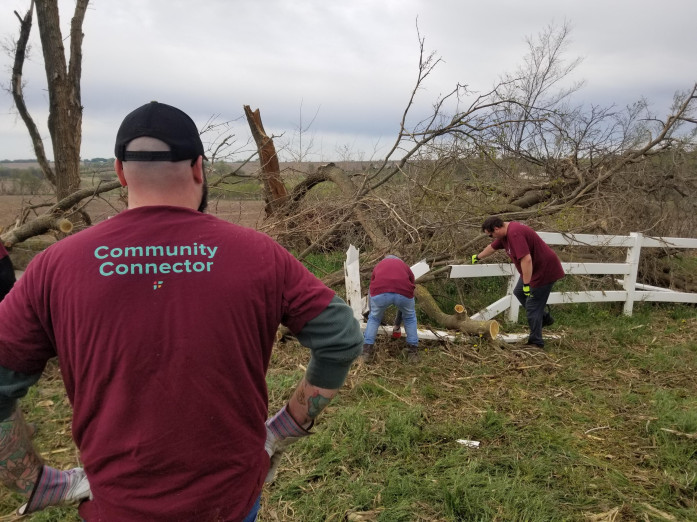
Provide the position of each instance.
(603, 420)
(602, 423)
(235, 187)
(473, 293)
(323, 264)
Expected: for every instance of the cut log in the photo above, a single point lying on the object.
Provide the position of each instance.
(457, 321)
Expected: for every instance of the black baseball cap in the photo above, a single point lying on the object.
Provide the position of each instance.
(165, 123)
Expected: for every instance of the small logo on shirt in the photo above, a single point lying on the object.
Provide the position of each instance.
(156, 285)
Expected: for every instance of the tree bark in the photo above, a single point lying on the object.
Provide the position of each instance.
(275, 193)
(18, 95)
(65, 105)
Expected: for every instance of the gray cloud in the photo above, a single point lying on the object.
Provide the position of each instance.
(355, 61)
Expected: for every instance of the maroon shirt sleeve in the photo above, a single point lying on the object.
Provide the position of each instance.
(304, 296)
(25, 345)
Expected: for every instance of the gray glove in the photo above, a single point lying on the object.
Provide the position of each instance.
(57, 487)
(281, 432)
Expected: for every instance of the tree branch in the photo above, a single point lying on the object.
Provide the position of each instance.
(18, 95)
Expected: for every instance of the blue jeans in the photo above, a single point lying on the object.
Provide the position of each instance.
(534, 309)
(380, 303)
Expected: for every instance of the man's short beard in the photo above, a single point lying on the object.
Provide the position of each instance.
(204, 195)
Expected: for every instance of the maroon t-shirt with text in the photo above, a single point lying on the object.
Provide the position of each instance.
(163, 320)
(522, 240)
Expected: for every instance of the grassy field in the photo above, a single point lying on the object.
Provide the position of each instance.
(601, 426)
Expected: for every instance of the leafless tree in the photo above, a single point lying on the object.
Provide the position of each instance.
(63, 78)
(521, 149)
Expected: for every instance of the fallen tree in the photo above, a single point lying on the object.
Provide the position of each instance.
(459, 321)
(57, 216)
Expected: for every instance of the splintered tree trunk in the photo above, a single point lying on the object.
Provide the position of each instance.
(457, 321)
(275, 193)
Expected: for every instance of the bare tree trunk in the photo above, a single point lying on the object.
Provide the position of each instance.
(65, 106)
(275, 193)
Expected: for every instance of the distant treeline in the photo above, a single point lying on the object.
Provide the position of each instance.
(16, 172)
(33, 160)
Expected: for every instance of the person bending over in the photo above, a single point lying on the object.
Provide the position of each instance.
(391, 283)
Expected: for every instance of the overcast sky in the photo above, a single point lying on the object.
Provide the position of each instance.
(349, 64)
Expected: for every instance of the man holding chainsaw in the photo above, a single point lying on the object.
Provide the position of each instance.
(538, 265)
(163, 320)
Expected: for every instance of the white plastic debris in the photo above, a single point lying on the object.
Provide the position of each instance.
(468, 443)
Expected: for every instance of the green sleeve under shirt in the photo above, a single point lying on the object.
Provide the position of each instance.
(335, 339)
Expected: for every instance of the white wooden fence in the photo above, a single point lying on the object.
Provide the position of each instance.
(359, 303)
(626, 272)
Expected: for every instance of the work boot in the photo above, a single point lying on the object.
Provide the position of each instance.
(412, 353)
(530, 344)
(368, 353)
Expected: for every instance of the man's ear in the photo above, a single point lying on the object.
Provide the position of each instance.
(118, 167)
(197, 170)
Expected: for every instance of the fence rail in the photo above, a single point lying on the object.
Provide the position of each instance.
(630, 293)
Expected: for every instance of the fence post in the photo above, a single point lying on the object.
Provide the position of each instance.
(352, 276)
(633, 255)
(512, 312)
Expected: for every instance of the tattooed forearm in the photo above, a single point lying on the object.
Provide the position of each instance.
(19, 463)
(308, 401)
(316, 404)
(300, 394)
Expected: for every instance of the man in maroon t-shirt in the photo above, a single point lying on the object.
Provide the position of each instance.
(538, 265)
(163, 320)
(391, 283)
(7, 272)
